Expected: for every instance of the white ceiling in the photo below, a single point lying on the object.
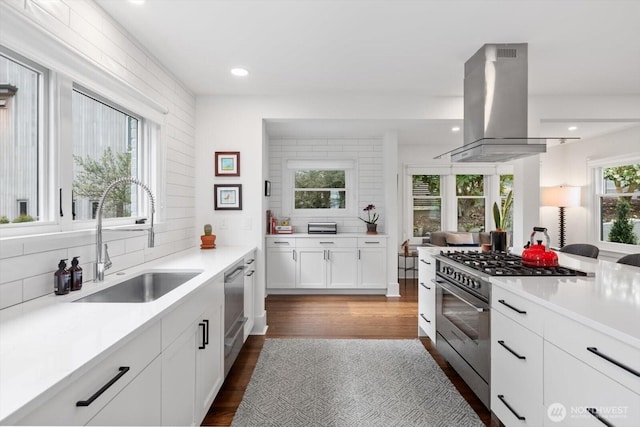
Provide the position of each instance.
(387, 47)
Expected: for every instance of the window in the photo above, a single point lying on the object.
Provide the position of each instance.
(506, 187)
(320, 189)
(21, 142)
(617, 193)
(471, 202)
(427, 204)
(105, 147)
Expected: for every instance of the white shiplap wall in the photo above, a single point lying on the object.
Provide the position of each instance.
(367, 152)
(27, 263)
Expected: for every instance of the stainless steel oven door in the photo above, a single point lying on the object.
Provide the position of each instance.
(463, 320)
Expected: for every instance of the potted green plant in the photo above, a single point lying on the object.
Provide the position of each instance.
(371, 221)
(208, 239)
(501, 217)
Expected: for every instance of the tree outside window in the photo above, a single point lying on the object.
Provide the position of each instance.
(320, 189)
(471, 202)
(620, 205)
(427, 204)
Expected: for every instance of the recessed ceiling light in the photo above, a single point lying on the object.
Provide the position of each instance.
(572, 128)
(137, 2)
(455, 129)
(239, 72)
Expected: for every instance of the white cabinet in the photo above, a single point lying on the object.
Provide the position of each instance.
(311, 267)
(98, 387)
(581, 396)
(426, 296)
(327, 262)
(372, 263)
(249, 294)
(516, 372)
(281, 263)
(192, 364)
(138, 404)
(550, 369)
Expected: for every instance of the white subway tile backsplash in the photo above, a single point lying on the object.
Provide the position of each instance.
(16, 268)
(11, 248)
(136, 244)
(37, 286)
(10, 294)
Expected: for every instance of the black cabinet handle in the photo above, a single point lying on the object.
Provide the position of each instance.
(249, 274)
(425, 319)
(250, 261)
(501, 397)
(595, 351)
(123, 370)
(511, 351)
(204, 338)
(425, 286)
(428, 263)
(206, 327)
(61, 213)
(281, 243)
(501, 301)
(593, 412)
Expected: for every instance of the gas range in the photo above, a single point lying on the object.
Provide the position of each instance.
(471, 270)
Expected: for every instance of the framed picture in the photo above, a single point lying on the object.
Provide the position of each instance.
(227, 197)
(267, 188)
(227, 163)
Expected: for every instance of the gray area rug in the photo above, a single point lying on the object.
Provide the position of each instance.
(343, 382)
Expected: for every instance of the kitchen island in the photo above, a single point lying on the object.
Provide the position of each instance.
(50, 343)
(567, 349)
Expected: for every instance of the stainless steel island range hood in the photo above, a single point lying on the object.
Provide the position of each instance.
(495, 106)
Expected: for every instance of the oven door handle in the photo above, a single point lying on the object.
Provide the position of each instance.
(452, 292)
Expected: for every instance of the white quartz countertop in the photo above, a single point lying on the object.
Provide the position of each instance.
(47, 342)
(608, 299)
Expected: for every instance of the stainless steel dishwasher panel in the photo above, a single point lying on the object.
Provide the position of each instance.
(234, 319)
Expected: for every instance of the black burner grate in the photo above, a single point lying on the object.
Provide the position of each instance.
(505, 264)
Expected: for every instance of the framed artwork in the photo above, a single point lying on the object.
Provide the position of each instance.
(227, 163)
(267, 188)
(227, 197)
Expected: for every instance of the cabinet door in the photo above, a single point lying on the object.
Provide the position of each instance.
(342, 271)
(209, 359)
(571, 388)
(138, 404)
(372, 268)
(311, 268)
(426, 297)
(178, 380)
(281, 268)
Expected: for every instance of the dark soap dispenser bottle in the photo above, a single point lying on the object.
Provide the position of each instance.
(61, 279)
(76, 274)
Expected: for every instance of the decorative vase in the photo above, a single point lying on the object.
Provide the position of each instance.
(208, 241)
(372, 228)
(499, 241)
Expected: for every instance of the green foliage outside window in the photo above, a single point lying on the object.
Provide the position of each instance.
(622, 228)
(320, 189)
(95, 175)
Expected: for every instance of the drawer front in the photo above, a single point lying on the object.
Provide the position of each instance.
(427, 309)
(372, 242)
(61, 409)
(528, 314)
(516, 372)
(281, 242)
(571, 386)
(608, 355)
(327, 242)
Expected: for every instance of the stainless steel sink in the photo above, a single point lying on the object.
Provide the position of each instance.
(145, 287)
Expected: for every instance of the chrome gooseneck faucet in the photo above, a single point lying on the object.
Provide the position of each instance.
(103, 264)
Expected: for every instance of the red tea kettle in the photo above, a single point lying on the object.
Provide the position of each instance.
(539, 255)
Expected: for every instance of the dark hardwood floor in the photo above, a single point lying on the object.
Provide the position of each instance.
(324, 316)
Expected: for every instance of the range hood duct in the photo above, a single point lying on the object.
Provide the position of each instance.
(495, 106)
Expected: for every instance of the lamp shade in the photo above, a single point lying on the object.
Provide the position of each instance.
(563, 196)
